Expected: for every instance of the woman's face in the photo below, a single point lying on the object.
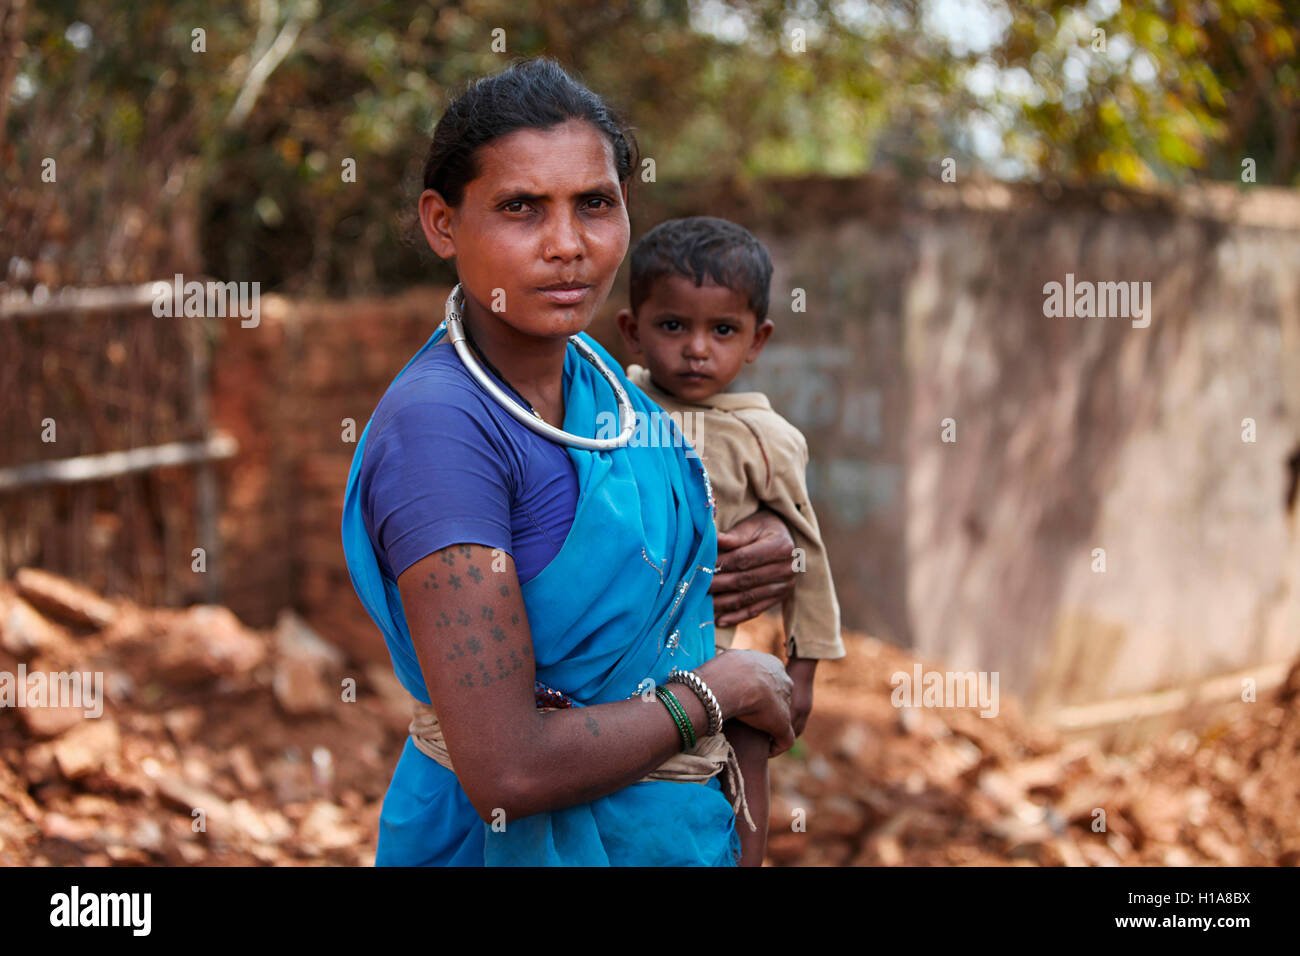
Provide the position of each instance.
(540, 231)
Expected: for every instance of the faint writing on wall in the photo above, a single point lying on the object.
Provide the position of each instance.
(813, 386)
(819, 389)
(853, 490)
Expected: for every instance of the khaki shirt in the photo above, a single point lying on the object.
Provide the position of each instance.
(755, 457)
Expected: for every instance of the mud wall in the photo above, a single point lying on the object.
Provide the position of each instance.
(923, 321)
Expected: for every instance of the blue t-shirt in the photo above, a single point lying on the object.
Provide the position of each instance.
(445, 464)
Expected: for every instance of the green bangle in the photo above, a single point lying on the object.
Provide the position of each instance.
(686, 718)
(675, 712)
(677, 722)
(679, 715)
(683, 720)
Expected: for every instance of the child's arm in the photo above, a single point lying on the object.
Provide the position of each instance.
(752, 747)
(777, 477)
(811, 615)
(802, 670)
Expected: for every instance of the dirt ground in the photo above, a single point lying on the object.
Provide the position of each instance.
(223, 745)
(943, 786)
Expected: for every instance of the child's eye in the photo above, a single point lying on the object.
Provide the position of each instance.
(724, 330)
(670, 325)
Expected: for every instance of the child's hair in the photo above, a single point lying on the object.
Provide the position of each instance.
(535, 93)
(698, 247)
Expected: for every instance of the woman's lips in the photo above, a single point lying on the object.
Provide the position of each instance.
(569, 295)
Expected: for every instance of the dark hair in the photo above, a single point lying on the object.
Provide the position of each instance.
(698, 247)
(535, 93)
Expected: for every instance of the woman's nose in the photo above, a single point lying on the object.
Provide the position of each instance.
(563, 238)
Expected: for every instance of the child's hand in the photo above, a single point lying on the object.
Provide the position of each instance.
(801, 671)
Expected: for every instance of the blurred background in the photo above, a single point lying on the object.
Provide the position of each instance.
(1102, 514)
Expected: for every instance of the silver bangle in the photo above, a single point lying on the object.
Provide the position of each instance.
(695, 683)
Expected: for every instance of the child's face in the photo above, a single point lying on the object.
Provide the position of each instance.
(694, 340)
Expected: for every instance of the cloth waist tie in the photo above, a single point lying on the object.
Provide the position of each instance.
(709, 756)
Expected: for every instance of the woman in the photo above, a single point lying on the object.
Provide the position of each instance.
(540, 592)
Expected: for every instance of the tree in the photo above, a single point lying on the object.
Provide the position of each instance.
(284, 142)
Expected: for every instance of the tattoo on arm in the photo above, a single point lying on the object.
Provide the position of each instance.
(504, 670)
(593, 726)
(465, 635)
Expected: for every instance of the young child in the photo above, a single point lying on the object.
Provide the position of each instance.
(699, 297)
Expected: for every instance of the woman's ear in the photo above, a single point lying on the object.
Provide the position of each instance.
(436, 221)
(627, 327)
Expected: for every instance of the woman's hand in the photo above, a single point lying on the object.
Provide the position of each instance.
(755, 568)
(754, 688)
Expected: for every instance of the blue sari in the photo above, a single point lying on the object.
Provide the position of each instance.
(625, 599)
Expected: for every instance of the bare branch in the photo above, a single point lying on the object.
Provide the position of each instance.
(269, 58)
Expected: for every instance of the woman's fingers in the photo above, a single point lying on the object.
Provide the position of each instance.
(746, 613)
(754, 593)
(738, 536)
(746, 530)
(766, 549)
(755, 569)
(739, 584)
(760, 539)
(778, 728)
(782, 743)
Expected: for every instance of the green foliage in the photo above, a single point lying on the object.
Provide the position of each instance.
(165, 142)
(1182, 88)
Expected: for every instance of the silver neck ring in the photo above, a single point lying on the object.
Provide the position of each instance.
(626, 413)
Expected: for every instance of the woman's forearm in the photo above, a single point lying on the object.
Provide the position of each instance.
(574, 756)
(470, 633)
